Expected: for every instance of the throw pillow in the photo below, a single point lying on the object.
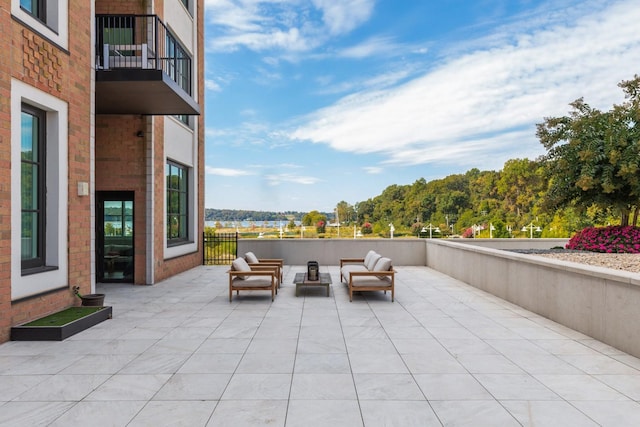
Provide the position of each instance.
(240, 264)
(251, 257)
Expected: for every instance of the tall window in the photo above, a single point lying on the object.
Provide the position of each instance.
(177, 202)
(178, 63)
(33, 187)
(37, 8)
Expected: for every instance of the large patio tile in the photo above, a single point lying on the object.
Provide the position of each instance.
(611, 414)
(217, 363)
(258, 387)
(629, 385)
(599, 364)
(323, 387)
(29, 414)
(547, 414)
(488, 364)
(381, 363)
(58, 388)
(451, 387)
(129, 387)
(322, 413)
(515, 387)
(476, 413)
(100, 414)
(417, 345)
(193, 387)
(174, 413)
(273, 345)
(257, 413)
(390, 413)
(254, 363)
(387, 387)
(155, 364)
(459, 347)
(579, 387)
(223, 345)
(12, 386)
(310, 344)
(371, 345)
(439, 363)
(324, 363)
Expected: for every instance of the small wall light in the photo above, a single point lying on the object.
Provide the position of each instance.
(140, 134)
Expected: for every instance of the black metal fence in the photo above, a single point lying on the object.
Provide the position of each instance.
(219, 248)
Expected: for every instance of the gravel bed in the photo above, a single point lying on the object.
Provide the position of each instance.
(625, 262)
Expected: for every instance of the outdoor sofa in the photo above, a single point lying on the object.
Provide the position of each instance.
(371, 273)
(243, 277)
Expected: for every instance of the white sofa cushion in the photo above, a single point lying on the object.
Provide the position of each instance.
(239, 264)
(251, 257)
(373, 259)
(383, 264)
(368, 256)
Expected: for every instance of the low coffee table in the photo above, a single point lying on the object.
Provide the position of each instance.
(324, 279)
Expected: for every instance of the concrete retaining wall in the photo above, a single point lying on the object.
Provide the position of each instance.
(329, 251)
(599, 302)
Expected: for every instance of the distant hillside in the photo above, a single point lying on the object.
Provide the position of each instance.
(242, 215)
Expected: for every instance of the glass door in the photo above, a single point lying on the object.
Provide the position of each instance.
(114, 237)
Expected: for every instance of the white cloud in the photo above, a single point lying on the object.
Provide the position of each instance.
(379, 81)
(371, 47)
(277, 179)
(226, 171)
(343, 16)
(287, 25)
(373, 170)
(211, 85)
(451, 112)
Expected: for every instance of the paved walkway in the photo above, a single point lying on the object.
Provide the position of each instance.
(178, 353)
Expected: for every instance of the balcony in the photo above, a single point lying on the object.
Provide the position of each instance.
(141, 68)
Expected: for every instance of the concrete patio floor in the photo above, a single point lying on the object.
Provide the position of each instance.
(444, 353)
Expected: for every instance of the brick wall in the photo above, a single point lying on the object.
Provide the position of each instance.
(6, 27)
(66, 75)
(121, 166)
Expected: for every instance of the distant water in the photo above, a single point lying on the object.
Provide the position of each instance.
(247, 224)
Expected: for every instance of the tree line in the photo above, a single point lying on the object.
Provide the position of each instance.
(590, 176)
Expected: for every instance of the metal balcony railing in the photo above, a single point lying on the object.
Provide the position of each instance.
(141, 42)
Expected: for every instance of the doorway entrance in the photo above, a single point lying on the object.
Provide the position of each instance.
(114, 236)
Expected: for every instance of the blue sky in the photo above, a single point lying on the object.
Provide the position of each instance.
(312, 102)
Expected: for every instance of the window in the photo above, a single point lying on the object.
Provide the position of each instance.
(49, 18)
(183, 118)
(177, 203)
(39, 189)
(33, 187)
(37, 8)
(178, 65)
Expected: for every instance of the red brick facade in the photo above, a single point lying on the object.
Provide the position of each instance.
(119, 162)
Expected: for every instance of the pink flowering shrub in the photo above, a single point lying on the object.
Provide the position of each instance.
(366, 228)
(612, 239)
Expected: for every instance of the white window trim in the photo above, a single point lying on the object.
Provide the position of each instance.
(57, 192)
(57, 27)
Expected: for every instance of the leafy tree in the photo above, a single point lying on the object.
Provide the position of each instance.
(345, 212)
(593, 157)
(312, 218)
(519, 186)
